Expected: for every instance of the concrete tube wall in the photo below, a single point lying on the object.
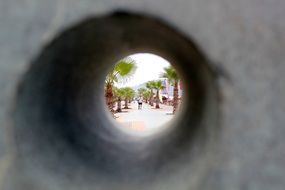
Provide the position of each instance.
(236, 140)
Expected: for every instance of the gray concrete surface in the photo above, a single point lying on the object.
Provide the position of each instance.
(246, 38)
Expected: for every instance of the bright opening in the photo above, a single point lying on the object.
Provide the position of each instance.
(143, 93)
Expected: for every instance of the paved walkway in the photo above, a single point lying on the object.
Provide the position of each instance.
(145, 119)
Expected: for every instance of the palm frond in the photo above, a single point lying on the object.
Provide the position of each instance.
(171, 74)
(122, 71)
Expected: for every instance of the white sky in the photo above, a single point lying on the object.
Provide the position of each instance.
(149, 67)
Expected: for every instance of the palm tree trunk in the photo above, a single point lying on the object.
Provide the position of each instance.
(175, 96)
(119, 105)
(126, 104)
(157, 99)
(109, 96)
(151, 98)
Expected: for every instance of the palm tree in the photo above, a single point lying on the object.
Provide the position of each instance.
(158, 86)
(146, 95)
(122, 70)
(141, 91)
(150, 85)
(173, 78)
(128, 94)
(119, 93)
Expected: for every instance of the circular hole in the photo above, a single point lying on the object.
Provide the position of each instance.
(61, 126)
(143, 91)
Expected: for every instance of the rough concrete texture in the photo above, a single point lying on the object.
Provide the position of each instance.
(245, 38)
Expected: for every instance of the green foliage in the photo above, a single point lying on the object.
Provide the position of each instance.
(171, 74)
(141, 91)
(119, 92)
(157, 85)
(122, 70)
(129, 93)
(125, 93)
(146, 94)
(150, 84)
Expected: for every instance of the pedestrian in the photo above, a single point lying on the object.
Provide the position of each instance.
(140, 103)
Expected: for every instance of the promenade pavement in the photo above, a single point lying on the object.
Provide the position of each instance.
(145, 119)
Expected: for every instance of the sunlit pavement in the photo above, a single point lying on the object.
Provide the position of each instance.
(144, 119)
